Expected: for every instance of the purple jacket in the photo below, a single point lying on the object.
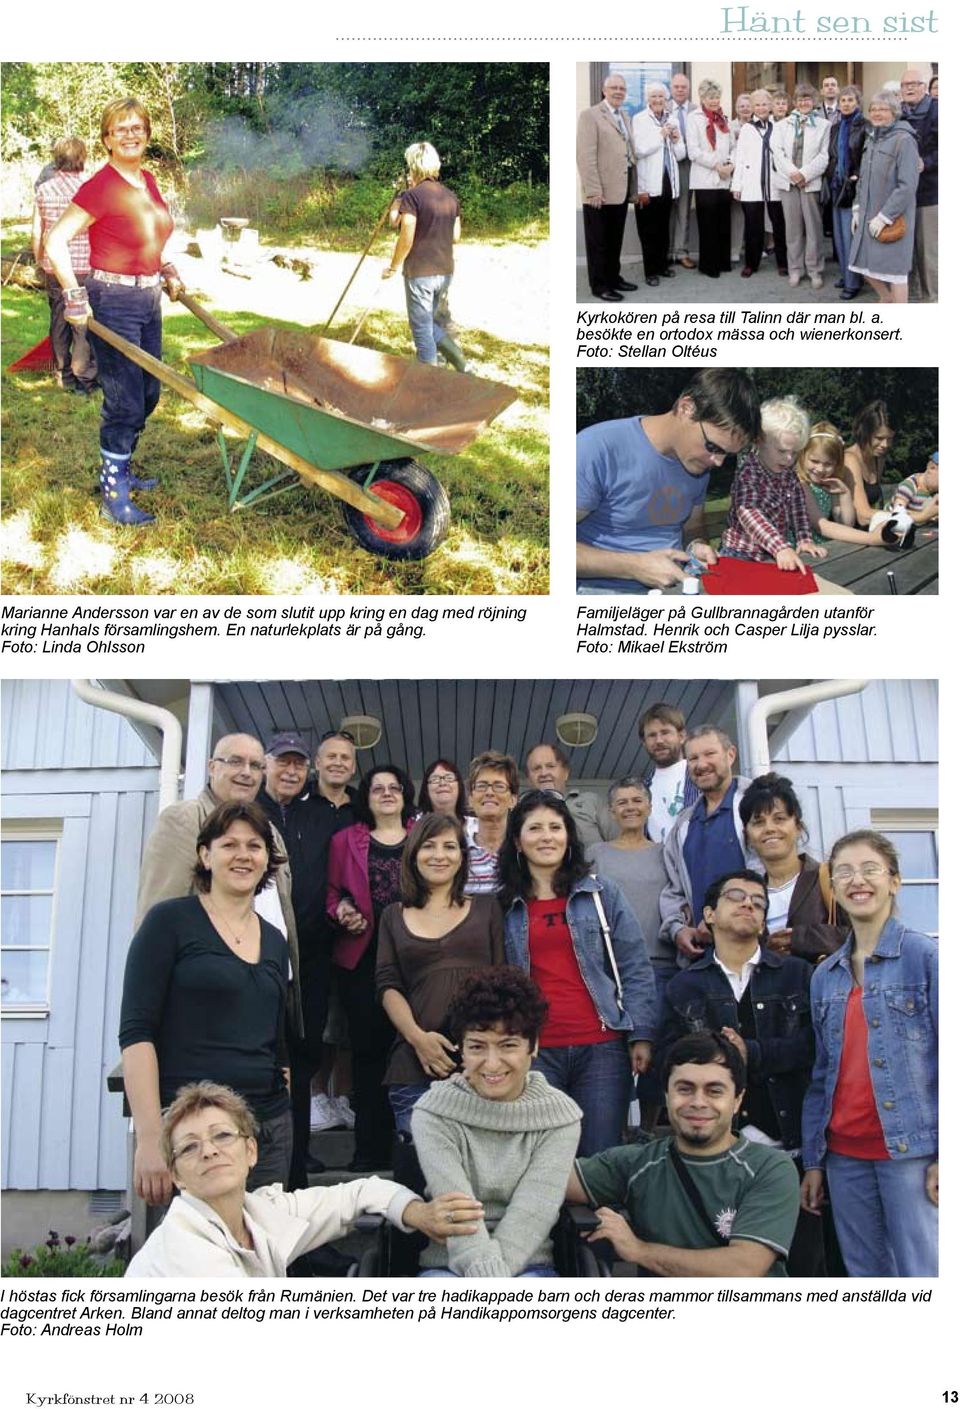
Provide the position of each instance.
(348, 878)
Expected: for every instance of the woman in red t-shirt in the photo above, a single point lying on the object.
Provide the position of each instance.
(129, 225)
(602, 1016)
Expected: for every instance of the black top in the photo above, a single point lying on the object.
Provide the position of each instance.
(210, 1015)
(383, 869)
(306, 825)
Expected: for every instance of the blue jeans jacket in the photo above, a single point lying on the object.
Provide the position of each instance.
(900, 1007)
(639, 1017)
(700, 999)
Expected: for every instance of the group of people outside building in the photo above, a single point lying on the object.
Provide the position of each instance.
(800, 484)
(515, 967)
(783, 176)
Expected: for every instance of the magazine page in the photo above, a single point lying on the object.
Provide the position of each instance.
(396, 947)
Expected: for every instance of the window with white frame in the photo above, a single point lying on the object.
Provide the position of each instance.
(28, 876)
(914, 834)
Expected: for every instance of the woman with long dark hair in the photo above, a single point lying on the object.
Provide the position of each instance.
(865, 460)
(432, 939)
(579, 940)
(363, 879)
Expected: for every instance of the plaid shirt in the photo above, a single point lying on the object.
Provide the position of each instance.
(53, 197)
(766, 511)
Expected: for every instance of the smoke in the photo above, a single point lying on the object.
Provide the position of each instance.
(302, 134)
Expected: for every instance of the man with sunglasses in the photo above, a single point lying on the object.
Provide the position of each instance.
(642, 482)
(760, 1001)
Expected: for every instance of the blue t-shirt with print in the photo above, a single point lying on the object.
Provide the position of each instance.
(636, 500)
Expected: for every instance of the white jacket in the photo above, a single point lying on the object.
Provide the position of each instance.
(747, 175)
(649, 144)
(705, 159)
(816, 150)
(193, 1241)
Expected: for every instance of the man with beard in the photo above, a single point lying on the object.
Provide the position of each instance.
(706, 842)
(702, 1202)
(662, 730)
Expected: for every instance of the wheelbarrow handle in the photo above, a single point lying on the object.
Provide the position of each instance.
(224, 333)
(388, 515)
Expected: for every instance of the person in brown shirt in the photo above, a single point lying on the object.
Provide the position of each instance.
(427, 216)
(429, 943)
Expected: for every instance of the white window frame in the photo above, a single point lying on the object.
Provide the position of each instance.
(39, 830)
(911, 819)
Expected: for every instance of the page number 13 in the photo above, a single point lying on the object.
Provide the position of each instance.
(951, 1396)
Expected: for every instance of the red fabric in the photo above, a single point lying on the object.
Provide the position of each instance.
(130, 227)
(855, 1128)
(347, 876)
(733, 577)
(715, 122)
(572, 1019)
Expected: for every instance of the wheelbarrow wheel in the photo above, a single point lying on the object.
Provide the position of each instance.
(426, 511)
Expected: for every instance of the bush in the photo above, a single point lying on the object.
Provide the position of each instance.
(66, 1258)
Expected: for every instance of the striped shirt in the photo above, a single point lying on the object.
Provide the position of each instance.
(53, 197)
(484, 872)
(767, 512)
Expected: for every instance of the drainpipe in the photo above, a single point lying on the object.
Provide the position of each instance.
(162, 719)
(803, 698)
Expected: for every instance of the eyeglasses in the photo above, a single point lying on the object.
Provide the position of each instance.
(738, 896)
(221, 1140)
(338, 734)
(499, 788)
(253, 765)
(442, 778)
(386, 790)
(136, 129)
(716, 452)
(869, 871)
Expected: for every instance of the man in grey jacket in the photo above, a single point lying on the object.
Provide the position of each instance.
(234, 774)
(707, 840)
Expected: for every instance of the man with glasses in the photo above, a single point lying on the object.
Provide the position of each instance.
(607, 164)
(759, 1001)
(642, 482)
(922, 113)
(548, 769)
(493, 785)
(234, 774)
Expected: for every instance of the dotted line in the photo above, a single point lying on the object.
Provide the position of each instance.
(603, 38)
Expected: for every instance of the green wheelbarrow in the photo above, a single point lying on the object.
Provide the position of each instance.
(341, 418)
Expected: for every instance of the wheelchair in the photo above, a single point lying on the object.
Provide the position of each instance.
(397, 1254)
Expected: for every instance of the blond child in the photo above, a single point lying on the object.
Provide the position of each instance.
(829, 490)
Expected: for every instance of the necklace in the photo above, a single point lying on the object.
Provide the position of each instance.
(235, 937)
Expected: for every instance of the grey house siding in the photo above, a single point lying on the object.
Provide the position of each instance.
(66, 762)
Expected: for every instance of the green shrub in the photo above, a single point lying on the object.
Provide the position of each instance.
(61, 1258)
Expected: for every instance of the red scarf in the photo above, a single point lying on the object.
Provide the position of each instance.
(714, 121)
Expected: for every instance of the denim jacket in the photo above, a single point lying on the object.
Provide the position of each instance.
(900, 1008)
(639, 1017)
(700, 999)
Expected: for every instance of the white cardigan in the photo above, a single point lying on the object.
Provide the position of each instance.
(193, 1241)
(816, 151)
(705, 159)
(747, 175)
(649, 144)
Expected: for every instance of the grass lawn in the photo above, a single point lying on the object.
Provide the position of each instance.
(55, 540)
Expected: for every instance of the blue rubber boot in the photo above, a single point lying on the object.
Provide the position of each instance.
(142, 481)
(115, 486)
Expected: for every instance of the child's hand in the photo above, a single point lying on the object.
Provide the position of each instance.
(834, 486)
(812, 550)
(788, 561)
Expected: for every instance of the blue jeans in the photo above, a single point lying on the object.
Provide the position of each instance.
(427, 312)
(598, 1078)
(842, 216)
(535, 1271)
(403, 1096)
(886, 1226)
(129, 393)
